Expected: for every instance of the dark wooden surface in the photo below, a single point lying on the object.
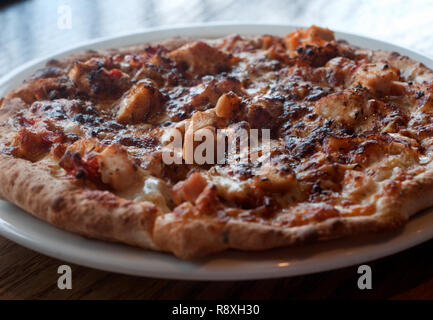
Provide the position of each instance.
(25, 274)
(28, 29)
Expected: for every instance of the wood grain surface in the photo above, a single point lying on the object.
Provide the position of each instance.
(25, 274)
(29, 29)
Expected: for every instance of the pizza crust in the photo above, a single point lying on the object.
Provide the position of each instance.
(102, 215)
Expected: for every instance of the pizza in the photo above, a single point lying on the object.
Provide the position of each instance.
(337, 141)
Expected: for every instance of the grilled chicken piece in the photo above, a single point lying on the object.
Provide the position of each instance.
(209, 92)
(44, 86)
(199, 58)
(33, 144)
(381, 78)
(95, 79)
(201, 126)
(346, 106)
(227, 105)
(110, 165)
(138, 103)
(189, 189)
(116, 169)
(340, 70)
(312, 36)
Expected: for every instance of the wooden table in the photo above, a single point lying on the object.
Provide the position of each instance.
(25, 274)
(29, 29)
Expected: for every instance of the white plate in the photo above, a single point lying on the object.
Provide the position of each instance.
(22, 228)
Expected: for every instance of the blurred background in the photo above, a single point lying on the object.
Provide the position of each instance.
(34, 28)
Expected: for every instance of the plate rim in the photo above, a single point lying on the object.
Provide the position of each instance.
(9, 233)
